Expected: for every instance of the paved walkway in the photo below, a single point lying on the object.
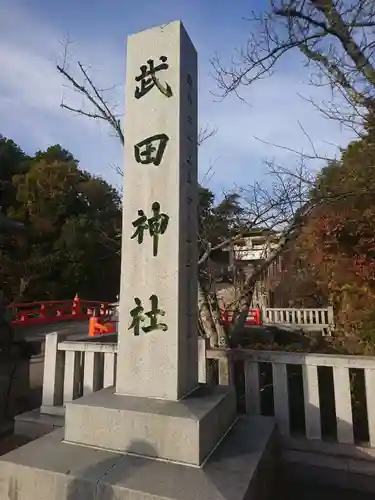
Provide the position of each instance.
(39, 332)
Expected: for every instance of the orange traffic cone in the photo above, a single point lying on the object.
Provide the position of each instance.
(93, 321)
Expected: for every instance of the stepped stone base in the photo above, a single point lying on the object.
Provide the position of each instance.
(183, 431)
(242, 467)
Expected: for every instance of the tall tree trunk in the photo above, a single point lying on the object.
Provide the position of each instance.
(217, 319)
(210, 317)
(205, 316)
(242, 312)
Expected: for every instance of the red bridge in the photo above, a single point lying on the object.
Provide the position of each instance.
(33, 320)
(46, 312)
(36, 316)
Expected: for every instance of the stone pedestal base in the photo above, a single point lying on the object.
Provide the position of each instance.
(241, 467)
(183, 431)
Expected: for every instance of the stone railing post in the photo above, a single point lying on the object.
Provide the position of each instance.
(202, 361)
(263, 314)
(53, 376)
(226, 371)
(331, 320)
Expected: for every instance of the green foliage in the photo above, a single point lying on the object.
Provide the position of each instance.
(12, 162)
(72, 220)
(73, 225)
(336, 246)
(218, 222)
(55, 153)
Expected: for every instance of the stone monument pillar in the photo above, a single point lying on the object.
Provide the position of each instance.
(157, 434)
(158, 301)
(157, 408)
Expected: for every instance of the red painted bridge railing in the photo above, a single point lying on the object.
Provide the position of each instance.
(53, 311)
(39, 313)
(253, 317)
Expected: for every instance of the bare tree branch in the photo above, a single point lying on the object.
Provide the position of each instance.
(206, 133)
(277, 206)
(101, 110)
(335, 37)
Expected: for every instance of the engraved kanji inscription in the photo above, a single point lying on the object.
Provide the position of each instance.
(151, 150)
(139, 316)
(156, 225)
(148, 79)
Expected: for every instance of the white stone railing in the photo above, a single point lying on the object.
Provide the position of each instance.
(251, 362)
(73, 369)
(307, 319)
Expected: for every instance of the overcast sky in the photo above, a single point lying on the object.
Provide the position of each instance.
(32, 33)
